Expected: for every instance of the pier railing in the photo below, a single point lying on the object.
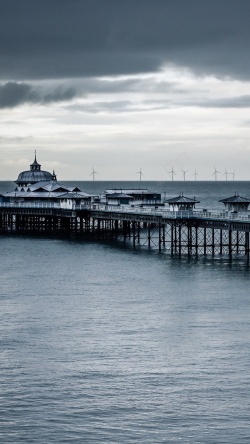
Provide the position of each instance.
(168, 214)
(29, 205)
(163, 212)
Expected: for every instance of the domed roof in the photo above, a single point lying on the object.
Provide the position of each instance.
(33, 177)
(35, 174)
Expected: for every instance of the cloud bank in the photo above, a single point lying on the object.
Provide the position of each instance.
(125, 84)
(13, 94)
(61, 38)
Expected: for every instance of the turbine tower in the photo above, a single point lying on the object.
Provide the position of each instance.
(226, 174)
(172, 173)
(195, 175)
(140, 173)
(215, 174)
(233, 174)
(184, 174)
(93, 173)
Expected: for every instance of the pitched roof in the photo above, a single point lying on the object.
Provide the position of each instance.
(52, 185)
(181, 199)
(119, 195)
(235, 199)
(74, 195)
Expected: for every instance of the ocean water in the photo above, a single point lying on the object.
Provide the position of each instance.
(100, 343)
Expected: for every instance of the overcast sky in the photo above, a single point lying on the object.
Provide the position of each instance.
(124, 85)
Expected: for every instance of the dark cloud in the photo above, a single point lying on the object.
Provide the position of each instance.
(13, 94)
(64, 38)
(231, 102)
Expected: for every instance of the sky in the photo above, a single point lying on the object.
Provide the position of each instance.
(123, 86)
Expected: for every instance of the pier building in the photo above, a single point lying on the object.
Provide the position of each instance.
(133, 196)
(118, 198)
(181, 203)
(37, 186)
(236, 203)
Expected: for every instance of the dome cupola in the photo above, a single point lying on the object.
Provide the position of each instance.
(34, 175)
(35, 166)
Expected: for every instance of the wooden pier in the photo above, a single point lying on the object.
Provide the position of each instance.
(180, 233)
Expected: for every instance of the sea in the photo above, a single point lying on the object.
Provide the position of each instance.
(103, 343)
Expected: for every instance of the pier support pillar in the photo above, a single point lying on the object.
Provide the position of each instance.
(247, 246)
(116, 229)
(133, 228)
(221, 241)
(159, 238)
(164, 235)
(205, 241)
(212, 241)
(189, 240)
(172, 238)
(230, 243)
(180, 240)
(149, 235)
(237, 242)
(196, 241)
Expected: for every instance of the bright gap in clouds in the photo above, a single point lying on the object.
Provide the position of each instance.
(120, 124)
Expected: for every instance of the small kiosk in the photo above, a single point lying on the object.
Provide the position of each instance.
(181, 203)
(236, 203)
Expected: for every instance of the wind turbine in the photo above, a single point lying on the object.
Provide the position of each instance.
(226, 173)
(172, 173)
(215, 173)
(233, 174)
(140, 172)
(195, 175)
(93, 173)
(184, 174)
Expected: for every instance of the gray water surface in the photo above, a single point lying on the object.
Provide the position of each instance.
(104, 344)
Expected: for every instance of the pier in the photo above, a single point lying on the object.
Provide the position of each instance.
(40, 205)
(192, 233)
